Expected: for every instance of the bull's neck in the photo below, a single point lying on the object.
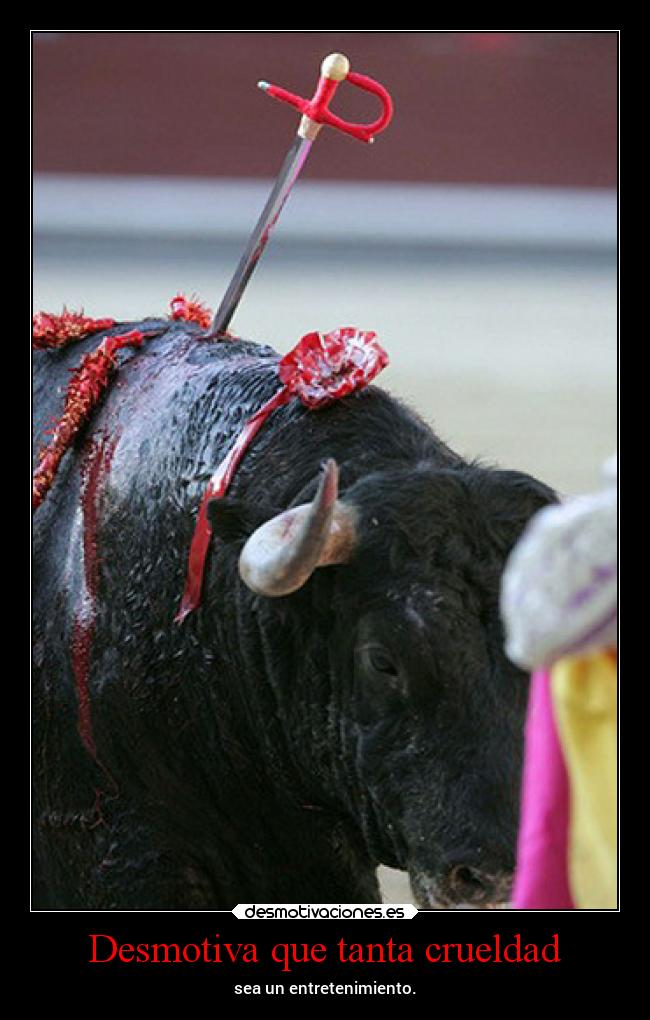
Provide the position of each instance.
(296, 698)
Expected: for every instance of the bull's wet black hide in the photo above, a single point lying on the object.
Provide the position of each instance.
(268, 750)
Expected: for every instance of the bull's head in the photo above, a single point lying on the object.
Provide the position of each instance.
(430, 710)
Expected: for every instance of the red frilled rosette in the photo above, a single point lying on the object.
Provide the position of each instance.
(321, 368)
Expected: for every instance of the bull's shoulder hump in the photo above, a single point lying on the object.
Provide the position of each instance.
(171, 354)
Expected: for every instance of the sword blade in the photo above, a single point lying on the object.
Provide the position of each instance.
(289, 171)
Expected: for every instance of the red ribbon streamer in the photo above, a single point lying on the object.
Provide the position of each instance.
(321, 368)
(217, 487)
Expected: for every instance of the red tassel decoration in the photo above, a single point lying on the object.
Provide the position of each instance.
(88, 382)
(191, 310)
(90, 379)
(50, 331)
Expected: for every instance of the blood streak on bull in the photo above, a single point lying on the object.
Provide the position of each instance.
(94, 469)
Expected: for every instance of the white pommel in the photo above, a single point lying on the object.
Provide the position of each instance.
(335, 67)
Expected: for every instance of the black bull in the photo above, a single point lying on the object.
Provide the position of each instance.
(268, 749)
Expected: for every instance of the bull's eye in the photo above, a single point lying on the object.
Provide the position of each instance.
(382, 683)
(379, 661)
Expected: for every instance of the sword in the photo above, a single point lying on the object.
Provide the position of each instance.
(315, 112)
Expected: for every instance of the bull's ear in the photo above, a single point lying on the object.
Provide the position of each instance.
(513, 497)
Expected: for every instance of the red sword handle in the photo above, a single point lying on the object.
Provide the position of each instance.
(334, 70)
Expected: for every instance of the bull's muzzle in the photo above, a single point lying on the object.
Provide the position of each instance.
(462, 887)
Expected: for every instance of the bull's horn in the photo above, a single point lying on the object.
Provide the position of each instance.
(282, 554)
